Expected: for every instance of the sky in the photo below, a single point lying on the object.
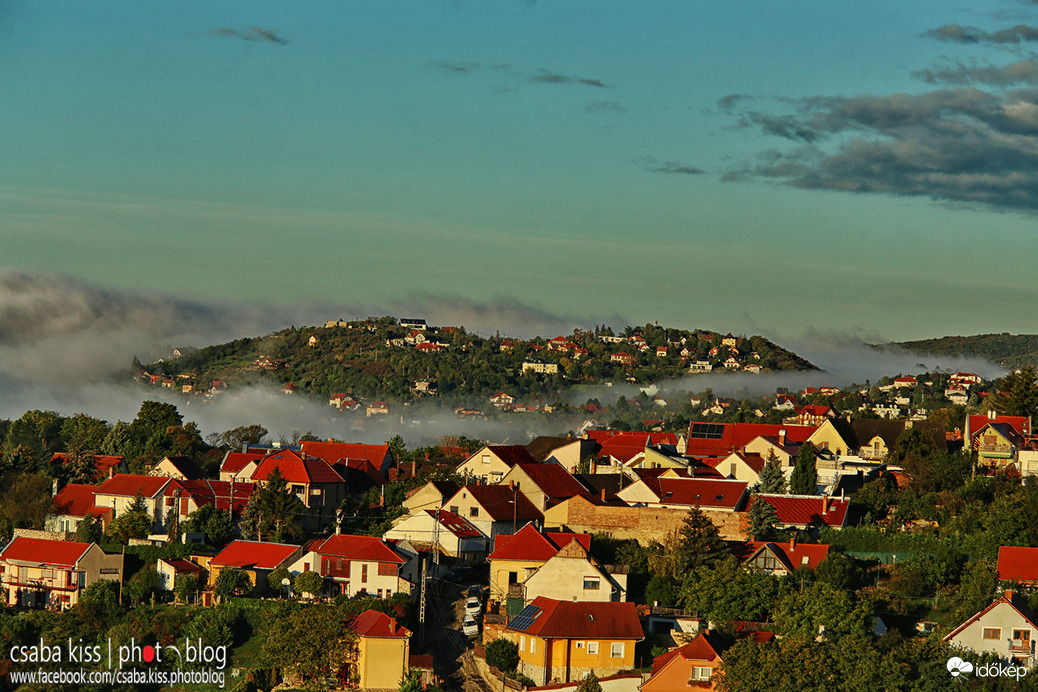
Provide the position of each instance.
(794, 168)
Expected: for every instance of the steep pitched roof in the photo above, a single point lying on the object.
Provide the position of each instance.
(529, 544)
(540, 448)
(74, 500)
(236, 461)
(39, 550)
(794, 557)
(512, 454)
(185, 467)
(553, 480)
(1018, 564)
(498, 501)
(1022, 424)
(372, 623)
(335, 451)
(706, 646)
(1009, 598)
(551, 619)
(365, 548)
(129, 484)
(297, 467)
(254, 554)
(458, 526)
(707, 493)
(209, 492)
(632, 438)
(805, 509)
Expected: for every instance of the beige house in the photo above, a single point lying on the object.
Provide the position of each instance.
(493, 509)
(517, 557)
(573, 575)
(492, 462)
(1006, 628)
(383, 651)
(433, 495)
(120, 491)
(52, 574)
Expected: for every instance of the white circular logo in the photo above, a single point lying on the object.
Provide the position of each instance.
(956, 666)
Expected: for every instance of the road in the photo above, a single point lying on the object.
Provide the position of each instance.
(451, 649)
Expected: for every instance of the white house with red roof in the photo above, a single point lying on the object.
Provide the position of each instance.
(72, 504)
(803, 511)
(352, 565)
(1007, 628)
(572, 574)
(120, 491)
(172, 569)
(519, 556)
(240, 465)
(52, 574)
(257, 559)
(340, 453)
(782, 559)
(312, 479)
(493, 509)
(443, 531)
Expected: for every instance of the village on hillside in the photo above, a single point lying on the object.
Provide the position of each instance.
(628, 559)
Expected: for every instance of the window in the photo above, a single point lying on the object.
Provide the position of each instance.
(992, 633)
(616, 650)
(522, 643)
(473, 511)
(592, 648)
(580, 645)
(380, 593)
(533, 645)
(298, 489)
(513, 577)
(363, 574)
(454, 509)
(486, 458)
(591, 583)
(700, 673)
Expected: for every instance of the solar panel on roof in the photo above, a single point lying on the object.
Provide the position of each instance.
(707, 431)
(525, 618)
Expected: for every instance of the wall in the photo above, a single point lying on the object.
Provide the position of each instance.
(644, 524)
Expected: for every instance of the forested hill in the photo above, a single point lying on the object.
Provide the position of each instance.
(381, 358)
(1008, 350)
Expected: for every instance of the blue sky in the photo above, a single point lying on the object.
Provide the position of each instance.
(869, 169)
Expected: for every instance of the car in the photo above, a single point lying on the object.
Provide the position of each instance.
(473, 605)
(470, 627)
(475, 590)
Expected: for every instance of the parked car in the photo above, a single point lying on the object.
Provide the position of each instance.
(473, 605)
(470, 627)
(476, 590)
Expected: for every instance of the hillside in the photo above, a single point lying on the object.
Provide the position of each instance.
(380, 358)
(1008, 350)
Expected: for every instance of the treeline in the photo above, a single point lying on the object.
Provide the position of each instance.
(1009, 350)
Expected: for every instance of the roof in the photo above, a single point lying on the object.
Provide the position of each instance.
(459, 526)
(181, 565)
(1022, 424)
(1018, 564)
(794, 556)
(720, 439)
(553, 480)
(129, 484)
(540, 448)
(890, 430)
(236, 461)
(74, 500)
(214, 492)
(372, 623)
(254, 554)
(364, 548)
(297, 467)
(185, 467)
(103, 462)
(704, 647)
(510, 454)
(444, 488)
(551, 619)
(1006, 430)
(1009, 598)
(502, 502)
(42, 551)
(529, 544)
(635, 438)
(806, 509)
(335, 451)
(701, 492)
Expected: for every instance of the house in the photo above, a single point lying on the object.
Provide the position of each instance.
(353, 565)
(502, 400)
(240, 465)
(74, 503)
(186, 497)
(257, 559)
(120, 491)
(340, 453)
(178, 467)
(957, 395)
(378, 408)
(812, 415)
(782, 559)
(432, 495)
(1018, 565)
(785, 402)
(684, 493)
(700, 366)
(1020, 424)
(52, 574)
(877, 437)
(562, 641)
(718, 440)
(997, 445)
(742, 467)
(171, 569)
(567, 452)
(623, 358)
(803, 511)
(494, 509)
(383, 651)
(834, 436)
(516, 557)
(1007, 628)
(543, 484)
(492, 462)
(540, 367)
(312, 479)
(906, 382)
(572, 574)
(561, 344)
(443, 531)
(694, 664)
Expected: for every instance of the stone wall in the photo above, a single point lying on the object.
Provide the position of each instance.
(645, 524)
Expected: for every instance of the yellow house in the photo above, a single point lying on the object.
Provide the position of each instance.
(254, 558)
(383, 650)
(517, 557)
(563, 641)
(492, 462)
(836, 436)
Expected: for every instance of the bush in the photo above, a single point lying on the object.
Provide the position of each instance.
(503, 655)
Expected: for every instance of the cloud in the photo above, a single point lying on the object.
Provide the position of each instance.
(254, 33)
(548, 77)
(454, 66)
(654, 165)
(604, 107)
(1020, 72)
(957, 33)
(729, 102)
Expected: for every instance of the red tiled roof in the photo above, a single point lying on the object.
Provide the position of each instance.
(792, 555)
(530, 544)
(236, 461)
(1018, 564)
(366, 548)
(803, 510)
(737, 435)
(1010, 598)
(555, 481)
(73, 500)
(254, 554)
(512, 454)
(182, 565)
(699, 649)
(214, 492)
(634, 438)
(297, 467)
(102, 461)
(459, 526)
(372, 623)
(128, 485)
(703, 492)
(1020, 424)
(497, 500)
(335, 451)
(42, 551)
(584, 620)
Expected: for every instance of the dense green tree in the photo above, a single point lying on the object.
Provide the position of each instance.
(276, 580)
(312, 643)
(1018, 393)
(804, 480)
(89, 530)
(503, 655)
(589, 683)
(278, 507)
(309, 582)
(699, 542)
(411, 682)
(142, 584)
(25, 501)
(728, 591)
(763, 519)
(135, 522)
(187, 587)
(772, 480)
(216, 524)
(231, 582)
(822, 609)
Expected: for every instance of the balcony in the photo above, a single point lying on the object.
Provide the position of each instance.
(991, 450)
(1020, 646)
(516, 591)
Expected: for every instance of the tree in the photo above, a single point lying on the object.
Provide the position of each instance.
(232, 582)
(143, 584)
(772, 480)
(411, 682)
(135, 522)
(1018, 393)
(173, 519)
(763, 520)
(728, 591)
(308, 582)
(503, 655)
(88, 531)
(279, 507)
(804, 480)
(214, 523)
(311, 643)
(589, 684)
(276, 580)
(186, 587)
(822, 608)
(699, 542)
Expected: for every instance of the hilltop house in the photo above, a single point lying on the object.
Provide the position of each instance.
(1007, 628)
(257, 559)
(52, 574)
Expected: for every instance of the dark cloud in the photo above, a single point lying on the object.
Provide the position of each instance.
(1020, 72)
(957, 33)
(654, 165)
(548, 77)
(254, 33)
(604, 107)
(729, 102)
(454, 66)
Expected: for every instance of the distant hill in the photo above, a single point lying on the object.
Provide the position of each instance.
(384, 359)
(1008, 350)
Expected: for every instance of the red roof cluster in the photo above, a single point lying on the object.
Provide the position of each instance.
(707, 493)
(802, 510)
(236, 461)
(129, 484)
(530, 544)
(735, 436)
(334, 452)
(297, 467)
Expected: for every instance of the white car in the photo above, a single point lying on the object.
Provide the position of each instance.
(473, 606)
(470, 627)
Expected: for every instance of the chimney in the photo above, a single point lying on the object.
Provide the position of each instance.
(414, 467)
(55, 486)
(825, 504)
(511, 484)
(1009, 595)
(603, 494)
(992, 414)
(792, 542)
(782, 437)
